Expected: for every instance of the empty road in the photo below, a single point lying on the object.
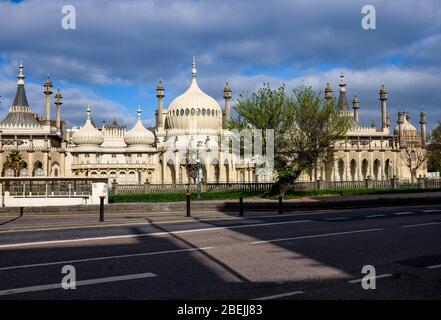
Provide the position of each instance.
(303, 255)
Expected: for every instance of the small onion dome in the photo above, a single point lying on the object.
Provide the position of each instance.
(59, 96)
(139, 135)
(88, 134)
(227, 91)
(48, 82)
(328, 91)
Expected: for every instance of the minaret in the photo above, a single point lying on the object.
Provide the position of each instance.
(227, 97)
(160, 96)
(383, 99)
(356, 106)
(48, 92)
(328, 92)
(423, 127)
(58, 103)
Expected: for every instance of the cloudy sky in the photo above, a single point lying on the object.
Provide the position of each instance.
(121, 48)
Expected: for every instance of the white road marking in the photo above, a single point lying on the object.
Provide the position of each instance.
(78, 283)
(434, 267)
(400, 213)
(148, 234)
(288, 294)
(386, 275)
(317, 236)
(421, 224)
(427, 211)
(376, 215)
(44, 264)
(337, 218)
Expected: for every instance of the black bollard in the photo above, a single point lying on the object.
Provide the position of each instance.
(21, 211)
(188, 204)
(280, 205)
(102, 208)
(241, 206)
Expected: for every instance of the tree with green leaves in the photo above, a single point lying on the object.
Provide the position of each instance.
(305, 128)
(434, 150)
(13, 162)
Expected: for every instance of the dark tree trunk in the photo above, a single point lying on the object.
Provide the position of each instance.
(284, 184)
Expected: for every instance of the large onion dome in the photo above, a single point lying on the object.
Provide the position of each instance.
(88, 135)
(139, 135)
(194, 109)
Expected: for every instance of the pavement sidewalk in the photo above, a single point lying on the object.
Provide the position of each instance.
(44, 218)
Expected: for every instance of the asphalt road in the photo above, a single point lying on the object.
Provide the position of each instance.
(309, 255)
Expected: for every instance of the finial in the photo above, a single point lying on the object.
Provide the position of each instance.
(139, 112)
(342, 83)
(193, 70)
(88, 110)
(20, 74)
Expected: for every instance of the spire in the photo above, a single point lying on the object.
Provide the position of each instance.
(139, 113)
(342, 103)
(20, 99)
(193, 69)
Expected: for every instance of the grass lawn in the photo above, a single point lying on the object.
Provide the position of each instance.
(215, 195)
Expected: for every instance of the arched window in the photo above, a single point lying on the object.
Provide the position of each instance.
(198, 111)
(187, 112)
(38, 169)
(132, 176)
(122, 177)
(208, 112)
(182, 112)
(203, 112)
(192, 112)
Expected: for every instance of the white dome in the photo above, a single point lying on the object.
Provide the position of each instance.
(88, 134)
(194, 109)
(139, 135)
